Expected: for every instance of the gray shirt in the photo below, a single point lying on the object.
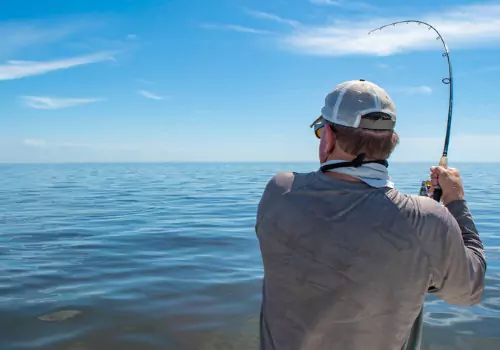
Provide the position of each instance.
(347, 266)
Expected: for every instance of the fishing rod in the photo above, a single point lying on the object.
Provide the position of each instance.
(448, 81)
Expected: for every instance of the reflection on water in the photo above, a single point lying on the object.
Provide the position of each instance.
(165, 257)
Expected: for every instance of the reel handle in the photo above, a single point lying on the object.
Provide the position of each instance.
(438, 192)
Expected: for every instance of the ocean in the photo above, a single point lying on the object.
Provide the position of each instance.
(164, 256)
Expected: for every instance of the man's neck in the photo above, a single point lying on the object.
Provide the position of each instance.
(342, 176)
(345, 158)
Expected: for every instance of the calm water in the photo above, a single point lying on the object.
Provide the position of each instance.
(165, 257)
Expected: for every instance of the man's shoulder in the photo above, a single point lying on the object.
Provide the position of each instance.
(428, 207)
(412, 202)
(277, 189)
(287, 181)
(423, 212)
(283, 180)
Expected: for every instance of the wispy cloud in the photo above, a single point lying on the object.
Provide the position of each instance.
(37, 143)
(132, 36)
(19, 35)
(234, 28)
(21, 69)
(415, 90)
(273, 17)
(150, 95)
(463, 27)
(44, 102)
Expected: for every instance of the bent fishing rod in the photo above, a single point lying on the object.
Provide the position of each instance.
(448, 81)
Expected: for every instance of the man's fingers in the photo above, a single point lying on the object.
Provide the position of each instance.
(436, 172)
(441, 170)
(437, 169)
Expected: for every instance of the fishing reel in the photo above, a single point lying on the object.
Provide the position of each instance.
(425, 189)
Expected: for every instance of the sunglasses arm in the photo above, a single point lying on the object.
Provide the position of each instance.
(317, 120)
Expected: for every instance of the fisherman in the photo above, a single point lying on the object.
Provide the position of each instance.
(348, 259)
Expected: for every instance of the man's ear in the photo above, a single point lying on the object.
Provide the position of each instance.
(327, 143)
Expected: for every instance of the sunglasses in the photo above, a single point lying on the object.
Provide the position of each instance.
(318, 126)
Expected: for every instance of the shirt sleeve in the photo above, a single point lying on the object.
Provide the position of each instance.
(460, 265)
(278, 185)
(263, 204)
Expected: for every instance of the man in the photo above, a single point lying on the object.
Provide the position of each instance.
(348, 259)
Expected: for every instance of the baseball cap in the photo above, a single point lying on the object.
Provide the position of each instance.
(352, 101)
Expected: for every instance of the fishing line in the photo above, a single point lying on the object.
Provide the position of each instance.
(448, 81)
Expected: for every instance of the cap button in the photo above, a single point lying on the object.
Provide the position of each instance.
(362, 80)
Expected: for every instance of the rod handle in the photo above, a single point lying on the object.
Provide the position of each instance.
(438, 192)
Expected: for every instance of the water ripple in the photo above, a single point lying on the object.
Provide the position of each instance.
(164, 256)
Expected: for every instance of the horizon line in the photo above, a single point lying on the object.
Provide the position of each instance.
(224, 162)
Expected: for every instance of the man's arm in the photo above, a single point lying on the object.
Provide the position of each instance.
(460, 267)
(278, 185)
(262, 205)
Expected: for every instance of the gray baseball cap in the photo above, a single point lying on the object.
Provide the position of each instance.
(353, 102)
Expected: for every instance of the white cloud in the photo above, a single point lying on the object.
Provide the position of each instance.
(37, 143)
(415, 90)
(150, 95)
(274, 18)
(235, 28)
(21, 69)
(17, 35)
(45, 102)
(132, 36)
(462, 27)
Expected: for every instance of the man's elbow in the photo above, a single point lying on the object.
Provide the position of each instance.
(473, 300)
(476, 300)
(473, 297)
(473, 293)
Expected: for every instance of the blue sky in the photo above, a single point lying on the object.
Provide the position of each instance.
(235, 80)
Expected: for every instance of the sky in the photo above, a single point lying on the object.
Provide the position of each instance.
(237, 80)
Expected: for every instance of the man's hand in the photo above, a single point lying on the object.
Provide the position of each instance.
(450, 182)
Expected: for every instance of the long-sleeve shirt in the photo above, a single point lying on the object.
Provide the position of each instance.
(347, 266)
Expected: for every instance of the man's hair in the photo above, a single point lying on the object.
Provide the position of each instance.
(375, 144)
